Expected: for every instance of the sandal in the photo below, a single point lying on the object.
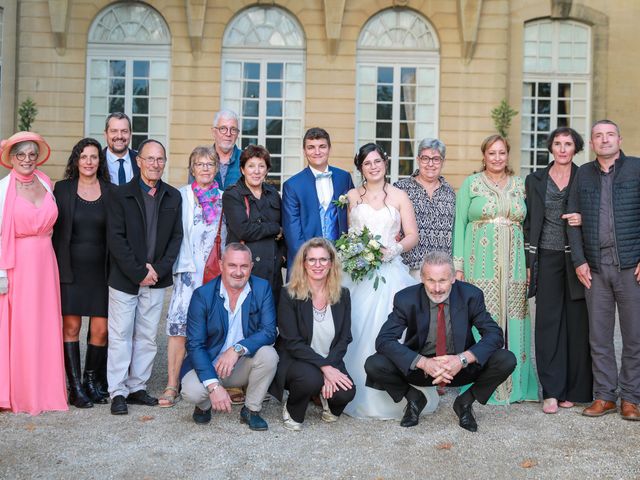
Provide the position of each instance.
(167, 400)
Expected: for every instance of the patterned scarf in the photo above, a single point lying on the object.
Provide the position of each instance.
(209, 200)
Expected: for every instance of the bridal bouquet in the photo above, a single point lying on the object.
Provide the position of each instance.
(361, 255)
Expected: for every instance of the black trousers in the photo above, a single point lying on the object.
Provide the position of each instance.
(382, 372)
(561, 334)
(304, 381)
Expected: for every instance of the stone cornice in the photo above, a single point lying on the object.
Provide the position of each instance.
(469, 22)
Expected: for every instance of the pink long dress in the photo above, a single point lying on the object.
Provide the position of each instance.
(31, 358)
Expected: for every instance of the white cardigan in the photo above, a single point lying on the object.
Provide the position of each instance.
(184, 262)
(4, 188)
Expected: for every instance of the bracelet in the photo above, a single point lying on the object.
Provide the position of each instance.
(215, 385)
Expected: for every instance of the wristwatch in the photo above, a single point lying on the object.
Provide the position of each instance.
(463, 360)
(239, 349)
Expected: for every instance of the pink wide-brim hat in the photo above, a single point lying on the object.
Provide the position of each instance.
(6, 145)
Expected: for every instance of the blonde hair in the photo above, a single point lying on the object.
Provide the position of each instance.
(298, 286)
(487, 143)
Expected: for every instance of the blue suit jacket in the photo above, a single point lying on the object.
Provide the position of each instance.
(300, 208)
(411, 313)
(208, 325)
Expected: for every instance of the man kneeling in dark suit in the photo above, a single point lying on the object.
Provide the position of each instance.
(439, 352)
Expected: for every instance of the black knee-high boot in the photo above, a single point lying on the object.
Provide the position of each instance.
(90, 377)
(77, 396)
(103, 386)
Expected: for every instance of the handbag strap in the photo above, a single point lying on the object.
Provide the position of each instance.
(246, 204)
(218, 237)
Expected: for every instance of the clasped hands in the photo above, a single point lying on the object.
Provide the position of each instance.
(442, 369)
(151, 278)
(334, 380)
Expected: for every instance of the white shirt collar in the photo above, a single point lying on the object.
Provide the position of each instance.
(318, 172)
(243, 295)
(113, 158)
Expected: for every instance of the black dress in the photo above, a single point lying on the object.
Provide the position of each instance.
(87, 295)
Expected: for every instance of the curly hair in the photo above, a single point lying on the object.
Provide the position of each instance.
(72, 172)
(358, 160)
(298, 286)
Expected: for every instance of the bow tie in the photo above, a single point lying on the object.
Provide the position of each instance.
(323, 175)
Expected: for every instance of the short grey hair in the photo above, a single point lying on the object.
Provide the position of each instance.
(605, 121)
(432, 144)
(22, 146)
(225, 113)
(236, 247)
(438, 257)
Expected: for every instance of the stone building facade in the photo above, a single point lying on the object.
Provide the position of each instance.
(391, 71)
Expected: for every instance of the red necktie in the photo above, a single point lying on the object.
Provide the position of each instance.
(441, 338)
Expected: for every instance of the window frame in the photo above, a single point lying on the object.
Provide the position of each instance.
(398, 58)
(555, 77)
(290, 163)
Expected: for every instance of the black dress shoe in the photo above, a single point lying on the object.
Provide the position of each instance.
(119, 405)
(201, 417)
(465, 414)
(141, 397)
(412, 410)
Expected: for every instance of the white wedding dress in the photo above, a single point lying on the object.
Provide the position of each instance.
(370, 309)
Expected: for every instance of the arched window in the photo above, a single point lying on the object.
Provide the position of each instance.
(556, 86)
(397, 92)
(263, 81)
(128, 65)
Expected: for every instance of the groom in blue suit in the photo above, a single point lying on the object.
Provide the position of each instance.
(231, 327)
(307, 198)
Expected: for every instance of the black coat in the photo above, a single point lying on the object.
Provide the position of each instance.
(536, 191)
(295, 327)
(127, 236)
(258, 230)
(65, 192)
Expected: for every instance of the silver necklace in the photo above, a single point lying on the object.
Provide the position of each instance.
(319, 313)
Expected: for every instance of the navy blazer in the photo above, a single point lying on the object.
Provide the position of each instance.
(208, 325)
(132, 155)
(411, 312)
(300, 208)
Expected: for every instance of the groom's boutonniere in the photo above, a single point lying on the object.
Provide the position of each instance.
(342, 201)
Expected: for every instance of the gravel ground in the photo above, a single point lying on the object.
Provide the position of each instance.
(517, 441)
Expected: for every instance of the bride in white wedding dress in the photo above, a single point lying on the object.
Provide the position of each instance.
(385, 210)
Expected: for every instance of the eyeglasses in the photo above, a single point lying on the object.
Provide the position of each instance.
(376, 163)
(152, 160)
(426, 160)
(22, 156)
(323, 261)
(225, 130)
(205, 166)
